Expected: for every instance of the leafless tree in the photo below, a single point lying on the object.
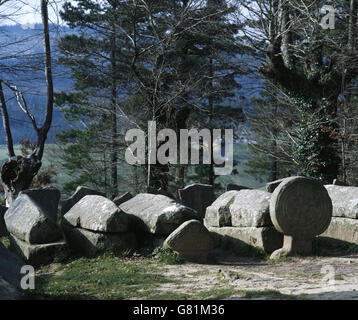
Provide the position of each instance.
(18, 172)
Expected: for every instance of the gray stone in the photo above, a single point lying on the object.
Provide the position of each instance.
(192, 241)
(10, 274)
(266, 238)
(163, 192)
(8, 291)
(97, 213)
(344, 201)
(198, 197)
(293, 245)
(122, 198)
(80, 192)
(160, 214)
(3, 230)
(337, 182)
(90, 243)
(272, 185)
(251, 209)
(47, 199)
(218, 214)
(245, 208)
(301, 209)
(344, 229)
(31, 216)
(10, 266)
(36, 254)
(236, 187)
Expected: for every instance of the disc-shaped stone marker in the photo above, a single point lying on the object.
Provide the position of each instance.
(301, 209)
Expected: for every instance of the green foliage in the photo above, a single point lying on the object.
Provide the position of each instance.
(166, 255)
(5, 241)
(104, 277)
(269, 294)
(118, 251)
(315, 150)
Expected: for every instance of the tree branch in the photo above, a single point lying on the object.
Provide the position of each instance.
(5, 118)
(42, 134)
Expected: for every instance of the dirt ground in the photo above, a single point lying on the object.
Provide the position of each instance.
(301, 277)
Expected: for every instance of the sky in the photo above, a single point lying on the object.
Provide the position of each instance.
(27, 12)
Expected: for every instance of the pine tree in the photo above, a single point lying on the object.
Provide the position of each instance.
(97, 55)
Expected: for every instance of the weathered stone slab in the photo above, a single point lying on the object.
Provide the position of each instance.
(10, 267)
(198, 197)
(218, 214)
(244, 208)
(192, 241)
(36, 254)
(47, 199)
(344, 201)
(266, 238)
(337, 182)
(272, 185)
(160, 214)
(8, 291)
(90, 243)
(344, 229)
(31, 217)
(97, 213)
(236, 187)
(3, 230)
(250, 208)
(161, 191)
(301, 209)
(122, 198)
(80, 192)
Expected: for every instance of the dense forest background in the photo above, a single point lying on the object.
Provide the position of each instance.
(265, 68)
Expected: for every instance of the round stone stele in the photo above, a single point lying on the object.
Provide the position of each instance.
(301, 207)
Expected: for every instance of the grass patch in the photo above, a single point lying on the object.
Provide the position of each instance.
(338, 277)
(168, 296)
(270, 294)
(278, 260)
(5, 241)
(166, 255)
(104, 277)
(215, 293)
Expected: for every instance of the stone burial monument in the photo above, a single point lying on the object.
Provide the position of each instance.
(31, 222)
(198, 197)
(243, 217)
(192, 241)
(95, 224)
(80, 192)
(10, 275)
(157, 216)
(301, 209)
(344, 224)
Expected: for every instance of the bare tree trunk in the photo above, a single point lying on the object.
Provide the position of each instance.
(6, 124)
(18, 172)
(211, 116)
(352, 26)
(114, 155)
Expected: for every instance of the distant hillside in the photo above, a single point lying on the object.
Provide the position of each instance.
(21, 48)
(21, 63)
